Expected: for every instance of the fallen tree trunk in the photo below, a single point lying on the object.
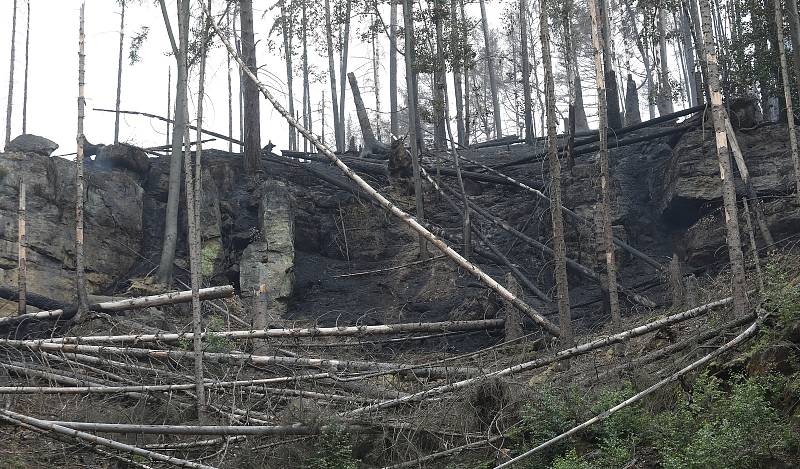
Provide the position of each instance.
(384, 202)
(595, 148)
(242, 358)
(290, 429)
(538, 363)
(741, 338)
(66, 312)
(571, 263)
(357, 331)
(582, 221)
(170, 121)
(49, 426)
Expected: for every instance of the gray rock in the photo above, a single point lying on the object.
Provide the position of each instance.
(266, 269)
(123, 157)
(29, 143)
(113, 224)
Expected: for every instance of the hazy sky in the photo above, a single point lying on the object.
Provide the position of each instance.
(52, 95)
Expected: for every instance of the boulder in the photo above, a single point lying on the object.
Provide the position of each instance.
(266, 269)
(29, 143)
(692, 187)
(123, 157)
(113, 224)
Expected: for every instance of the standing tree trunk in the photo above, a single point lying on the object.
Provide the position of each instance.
(169, 99)
(376, 81)
(559, 246)
(738, 283)
(526, 72)
(345, 46)
(611, 89)
(332, 74)
(306, 84)
(688, 52)
(665, 88)
(193, 196)
(787, 93)
(230, 91)
(394, 122)
(498, 121)
(10, 103)
(439, 79)
(286, 29)
(412, 118)
(605, 179)
(648, 67)
(632, 114)
(25, 86)
(466, 64)
(79, 267)
(119, 71)
(250, 96)
(180, 51)
(22, 253)
(458, 81)
(794, 28)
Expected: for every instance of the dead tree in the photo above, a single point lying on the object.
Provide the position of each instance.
(180, 51)
(79, 191)
(605, 177)
(22, 244)
(25, 83)
(559, 246)
(413, 118)
(490, 65)
(10, 102)
(389, 206)
(787, 93)
(738, 283)
(251, 111)
(119, 70)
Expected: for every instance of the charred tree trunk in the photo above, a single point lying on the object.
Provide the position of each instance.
(119, 71)
(79, 191)
(22, 252)
(605, 178)
(250, 98)
(787, 94)
(738, 283)
(394, 122)
(632, 115)
(413, 118)
(343, 65)
(490, 65)
(10, 102)
(664, 88)
(559, 246)
(332, 76)
(526, 72)
(288, 34)
(180, 51)
(25, 84)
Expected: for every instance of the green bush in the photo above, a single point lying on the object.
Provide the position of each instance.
(333, 450)
(737, 428)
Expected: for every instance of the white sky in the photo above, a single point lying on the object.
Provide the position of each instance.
(52, 95)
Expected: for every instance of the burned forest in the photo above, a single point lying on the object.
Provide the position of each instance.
(400, 234)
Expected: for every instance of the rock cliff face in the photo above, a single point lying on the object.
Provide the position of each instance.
(291, 243)
(113, 217)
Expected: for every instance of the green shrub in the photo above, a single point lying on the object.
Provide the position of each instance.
(738, 428)
(333, 450)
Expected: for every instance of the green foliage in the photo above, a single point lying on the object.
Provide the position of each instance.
(333, 450)
(735, 428)
(570, 460)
